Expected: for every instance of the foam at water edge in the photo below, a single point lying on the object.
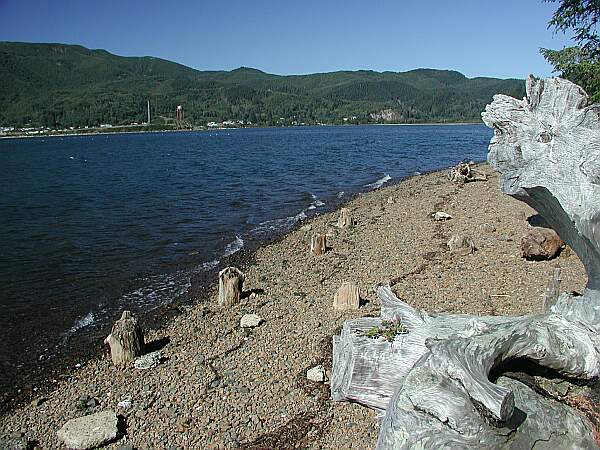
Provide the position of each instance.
(234, 246)
(377, 184)
(83, 322)
(210, 264)
(276, 225)
(316, 202)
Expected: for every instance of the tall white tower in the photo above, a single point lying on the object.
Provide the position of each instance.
(148, 112)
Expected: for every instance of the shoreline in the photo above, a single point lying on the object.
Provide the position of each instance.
(394, 242)
(63, 365)
(241, 128)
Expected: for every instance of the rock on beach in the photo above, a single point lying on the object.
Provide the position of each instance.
(89, 431)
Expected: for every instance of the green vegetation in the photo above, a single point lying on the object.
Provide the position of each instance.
(57, 86)
(388, 330)
(581, 63)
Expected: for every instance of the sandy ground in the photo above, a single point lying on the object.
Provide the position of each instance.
(225, 387)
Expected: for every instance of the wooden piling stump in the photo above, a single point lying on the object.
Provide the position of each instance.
(231, 281)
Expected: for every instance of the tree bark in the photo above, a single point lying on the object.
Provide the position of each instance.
(432, 383)
(231, 282)
(126, 340)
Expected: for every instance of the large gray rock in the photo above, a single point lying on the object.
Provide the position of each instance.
(89, 431)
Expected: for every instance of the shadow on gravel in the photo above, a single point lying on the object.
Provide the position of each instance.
(157, 344)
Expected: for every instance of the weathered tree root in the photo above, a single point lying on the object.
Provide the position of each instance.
(432, 383)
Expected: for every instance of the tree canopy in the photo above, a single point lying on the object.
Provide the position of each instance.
(580, 63)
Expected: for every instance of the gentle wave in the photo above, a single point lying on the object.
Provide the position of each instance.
(160, 289)
(210, 264)
(233, 247)
(278, 225)
(316, 203)
(83, 322)
(377, 184)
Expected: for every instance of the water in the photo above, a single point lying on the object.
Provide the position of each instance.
(91, 225)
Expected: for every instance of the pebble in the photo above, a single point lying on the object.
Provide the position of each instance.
(250, 321)
(316, 374)
(148, 361)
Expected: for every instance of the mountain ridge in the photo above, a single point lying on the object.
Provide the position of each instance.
(57, 85)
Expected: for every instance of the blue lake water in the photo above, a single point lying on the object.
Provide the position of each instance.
(90, 225)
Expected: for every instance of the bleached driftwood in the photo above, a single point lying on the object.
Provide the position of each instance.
(346, 219)
(126, 340)
(231, 282)
(432, 383)
(552, 291)
(465, 173)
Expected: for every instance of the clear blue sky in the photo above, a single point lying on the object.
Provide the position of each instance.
(475, 37)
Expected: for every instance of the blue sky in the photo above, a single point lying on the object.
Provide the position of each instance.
(477, 38)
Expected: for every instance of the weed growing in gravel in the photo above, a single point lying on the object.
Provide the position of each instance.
(388, 330)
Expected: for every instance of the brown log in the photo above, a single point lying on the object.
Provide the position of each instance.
(541, 243)
(231, 281)
(318, 244)
(346, 297)
(346, 219)
(126, 340)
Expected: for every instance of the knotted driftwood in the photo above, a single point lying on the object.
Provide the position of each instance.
(465, 173)
(431, 383)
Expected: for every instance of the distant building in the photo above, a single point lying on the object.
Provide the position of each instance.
(105, 125)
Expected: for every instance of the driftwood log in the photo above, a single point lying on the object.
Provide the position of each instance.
(126, 340)
(231, 283)
(431, 383)
(318, 244)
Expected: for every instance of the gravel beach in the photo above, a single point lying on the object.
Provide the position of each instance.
(223, 386)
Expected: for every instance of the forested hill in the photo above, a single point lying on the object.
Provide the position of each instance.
(58, 85)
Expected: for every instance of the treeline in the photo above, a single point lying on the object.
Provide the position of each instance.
(57, 85)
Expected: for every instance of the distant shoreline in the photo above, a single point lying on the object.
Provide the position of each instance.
(22, 136)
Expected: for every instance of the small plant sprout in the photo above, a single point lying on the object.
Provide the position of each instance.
(388, 330)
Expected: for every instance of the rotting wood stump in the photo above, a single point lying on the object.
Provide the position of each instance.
(126, 340)
(318, 244)
(431, 384)
(346, 297)
(231, 283)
